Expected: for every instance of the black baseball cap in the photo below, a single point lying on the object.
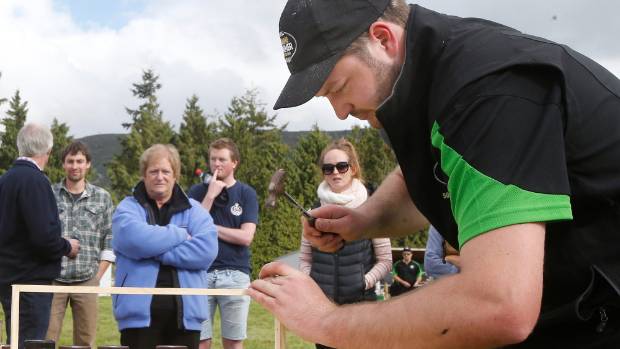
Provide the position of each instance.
(314, 35)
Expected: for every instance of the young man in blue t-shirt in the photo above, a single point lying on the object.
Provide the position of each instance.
(234, 208)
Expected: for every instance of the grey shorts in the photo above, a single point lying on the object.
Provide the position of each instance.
(233, 309)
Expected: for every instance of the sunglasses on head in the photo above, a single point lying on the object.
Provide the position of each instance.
(342, 167)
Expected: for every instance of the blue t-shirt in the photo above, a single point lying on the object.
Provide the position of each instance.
(242, 207)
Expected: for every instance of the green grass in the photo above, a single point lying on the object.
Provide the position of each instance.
(261, 334)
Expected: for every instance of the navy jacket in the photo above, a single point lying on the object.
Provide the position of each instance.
(30, 242)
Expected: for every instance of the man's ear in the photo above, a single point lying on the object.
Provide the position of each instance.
(384, 36)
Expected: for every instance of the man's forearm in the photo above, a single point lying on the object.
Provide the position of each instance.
(103, 266)
(235, 236)
(440, 315)
(489, 304)
(393, 212)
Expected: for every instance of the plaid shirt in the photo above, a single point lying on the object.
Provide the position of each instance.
(88, 219)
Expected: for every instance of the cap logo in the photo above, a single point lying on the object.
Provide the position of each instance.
(289, 46)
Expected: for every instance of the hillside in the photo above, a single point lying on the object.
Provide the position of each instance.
(104, 147)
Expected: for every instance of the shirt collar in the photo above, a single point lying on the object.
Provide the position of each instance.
(25, 158)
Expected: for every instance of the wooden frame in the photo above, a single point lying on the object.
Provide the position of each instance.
(280, 331)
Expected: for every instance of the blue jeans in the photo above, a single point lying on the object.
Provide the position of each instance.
(233, 309)
(34, 314)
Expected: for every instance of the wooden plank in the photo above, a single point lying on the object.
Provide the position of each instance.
(280, 332)
(14, 316)
(17, 289)
(130, 290)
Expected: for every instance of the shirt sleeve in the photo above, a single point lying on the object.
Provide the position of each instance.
(305, 256)
(197, 192)
(383, 261)
(503, 151)
(250, 206)
(434, 263)
(107, 254)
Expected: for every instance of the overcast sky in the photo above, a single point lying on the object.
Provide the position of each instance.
(76, 59)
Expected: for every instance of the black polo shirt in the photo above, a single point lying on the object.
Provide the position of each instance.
(492, 127)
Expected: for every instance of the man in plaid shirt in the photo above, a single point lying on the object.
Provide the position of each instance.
(86, 214)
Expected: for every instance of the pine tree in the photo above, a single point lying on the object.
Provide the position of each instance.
(258, 138)
(15, 120)
(305, 175)
(147, 127)
(376, 157)
(54, 169)
(262, 152)
(193, 140)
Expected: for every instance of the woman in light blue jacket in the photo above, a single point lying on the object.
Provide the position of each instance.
(161, 239)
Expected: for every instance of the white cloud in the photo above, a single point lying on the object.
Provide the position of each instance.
(216, 50)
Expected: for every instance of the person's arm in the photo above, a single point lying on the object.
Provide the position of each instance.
(107, 256)
(199, 251)
(388, 212)
(245, 233)
(38, 205)
(305, 256)
(398, 279)
(434, 256)
(242, 236)
(494, 301)
(103, 266)
(135, 238)
(215, 188)
(383, 262)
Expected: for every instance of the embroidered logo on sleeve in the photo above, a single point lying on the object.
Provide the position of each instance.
(236, 209)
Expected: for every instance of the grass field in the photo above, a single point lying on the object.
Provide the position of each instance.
(260, 329)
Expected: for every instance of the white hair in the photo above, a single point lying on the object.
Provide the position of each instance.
(34, 139)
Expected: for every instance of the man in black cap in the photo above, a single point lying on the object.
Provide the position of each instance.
(507, 143)
(407, 274)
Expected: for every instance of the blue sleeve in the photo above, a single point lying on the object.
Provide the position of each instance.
(433, 257)
(38, 205)
(197, 192)
(134, 238)
(198, 252)
(250, 206)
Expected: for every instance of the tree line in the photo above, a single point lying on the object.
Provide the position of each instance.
(254, 131)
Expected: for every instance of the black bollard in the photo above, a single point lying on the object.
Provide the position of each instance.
(112, 347)
(39, 344)
(171, 347)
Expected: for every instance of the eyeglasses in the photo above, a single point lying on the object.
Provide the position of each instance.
(328, 169)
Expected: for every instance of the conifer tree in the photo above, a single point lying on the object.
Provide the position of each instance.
(262, 152)
(193, 140)
(146, 128)
(15, 120)
(258, 138)
(54, 169)
(376, 157)
(305, 158)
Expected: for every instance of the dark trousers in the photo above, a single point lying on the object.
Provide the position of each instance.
(34, 314)
(164, 330)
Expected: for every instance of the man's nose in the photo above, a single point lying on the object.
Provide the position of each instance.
(341, 109)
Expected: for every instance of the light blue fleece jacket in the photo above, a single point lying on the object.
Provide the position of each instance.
(188, 243)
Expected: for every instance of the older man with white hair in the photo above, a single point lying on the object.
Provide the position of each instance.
(30, 242)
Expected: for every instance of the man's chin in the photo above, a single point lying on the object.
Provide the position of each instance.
(375, 123)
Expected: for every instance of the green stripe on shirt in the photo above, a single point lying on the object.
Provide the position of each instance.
(481, 203)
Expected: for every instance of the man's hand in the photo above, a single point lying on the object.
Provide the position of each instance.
(334, 224)
(215, 187)
(325, 242)
(75, 247)
(294, 298)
